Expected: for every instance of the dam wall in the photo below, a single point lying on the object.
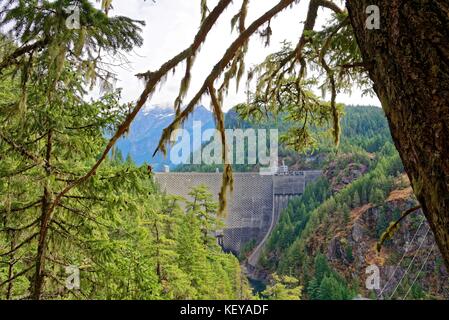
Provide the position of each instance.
(254, 206)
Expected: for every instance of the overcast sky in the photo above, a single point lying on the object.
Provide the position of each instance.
(170, 28)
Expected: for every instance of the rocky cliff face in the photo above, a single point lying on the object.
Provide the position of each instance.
(328, 237)
(339, 178)
(411, 253)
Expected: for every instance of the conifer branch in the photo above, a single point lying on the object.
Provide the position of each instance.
(152, 79)
(21, 273)
(17, 172)
(329, 5)
(22, 150)
(388, 234)
(29, 239)
(217, 71)
(23, 208)
(21, 228)
(331, 75)
(227, 172)
(208, 83)
(12, 58)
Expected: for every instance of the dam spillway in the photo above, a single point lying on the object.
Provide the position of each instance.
(254, 206)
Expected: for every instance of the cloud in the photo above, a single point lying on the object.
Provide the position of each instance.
(170, 28)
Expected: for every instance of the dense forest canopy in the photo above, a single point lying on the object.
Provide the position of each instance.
(126, 238)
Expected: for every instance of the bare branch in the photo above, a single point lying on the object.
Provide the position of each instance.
(329, 5)
(218, 69)
(152, 79)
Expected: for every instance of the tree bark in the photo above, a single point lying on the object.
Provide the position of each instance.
(408, 61)
(39, 276)
(11, 263)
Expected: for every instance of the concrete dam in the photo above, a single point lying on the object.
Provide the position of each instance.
(253, 207)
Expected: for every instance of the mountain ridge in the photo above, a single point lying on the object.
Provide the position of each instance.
(146, 130)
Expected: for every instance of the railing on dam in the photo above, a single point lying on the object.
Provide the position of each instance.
(253, 207)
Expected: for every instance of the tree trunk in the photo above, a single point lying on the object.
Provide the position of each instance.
(11, 263)
(39, 276)
(408, 61)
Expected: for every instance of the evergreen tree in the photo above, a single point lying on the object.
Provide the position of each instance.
(346, 213)
(377, 197)
(283, 288)
(357, 202)
(127, 240)
(332, 289)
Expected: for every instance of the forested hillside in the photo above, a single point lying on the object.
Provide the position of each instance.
(142, 138)
(363, 128)
(81, 214)
(328, 236)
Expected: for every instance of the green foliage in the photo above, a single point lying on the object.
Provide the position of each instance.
(364, 129)
(327, 284)
(282, 288)
(349, 254)
(381, 224)
(331, 289)
(246, 249)
(293, 221)
(346, 213)
(377, 197)
(289, 249)
(211, 274)
(129, 240)
(417, 292)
